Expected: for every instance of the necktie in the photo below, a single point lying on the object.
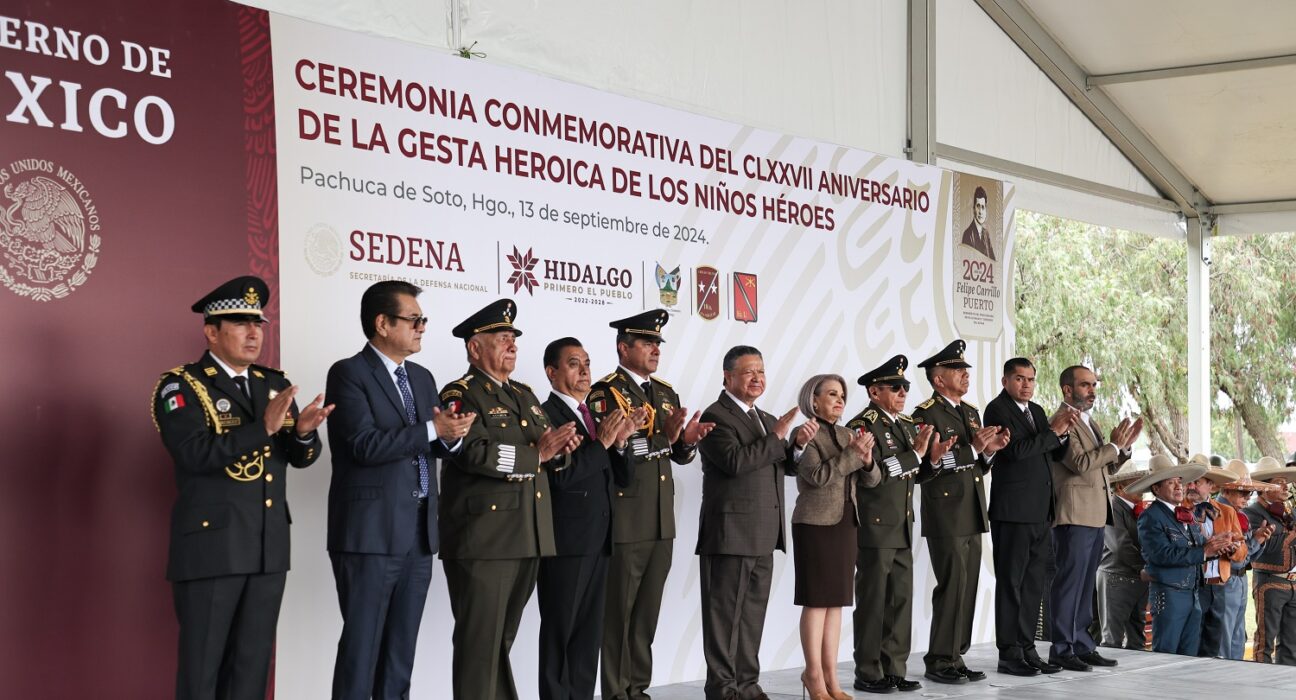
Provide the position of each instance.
(647, 389)
(588, 419)
(402, 383)
(756, 419)
(241, 381)
(1030, 420)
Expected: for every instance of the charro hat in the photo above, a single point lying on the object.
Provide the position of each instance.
(1219, 476)
(951, 356)
(240, 297)
(647, 324)
(1129, 472)
(1162, 467)
(1241, 477)
(1269, 468)
(890, 373)
(496, 317)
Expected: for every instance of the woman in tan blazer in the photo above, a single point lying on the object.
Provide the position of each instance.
(823, 528)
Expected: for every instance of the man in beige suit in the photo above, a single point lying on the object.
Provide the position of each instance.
(1081, 487)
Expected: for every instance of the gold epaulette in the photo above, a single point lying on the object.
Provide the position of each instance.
(608, 378)
(269, 369)
(521, 384)
(928, 403)
(463, 381)
(870, 415)
(662, 382)
(905, 417)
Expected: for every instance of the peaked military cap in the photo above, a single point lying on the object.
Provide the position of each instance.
(951, 356)
(648, 324)
(890, 373)
(241, 296)
(496, 317)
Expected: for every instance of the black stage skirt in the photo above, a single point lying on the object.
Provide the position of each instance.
(824, 557)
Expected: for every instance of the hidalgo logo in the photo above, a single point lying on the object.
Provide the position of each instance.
(48, 230)
(523, 264)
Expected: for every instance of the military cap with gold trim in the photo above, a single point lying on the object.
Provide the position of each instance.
(951, 356)
(496, 317)
(647, 324)
(890, 373)
(241, 296)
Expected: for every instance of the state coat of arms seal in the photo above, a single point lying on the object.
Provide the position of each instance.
(49, 240)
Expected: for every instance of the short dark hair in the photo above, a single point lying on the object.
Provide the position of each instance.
(1015, 363)
(380, 300)
(1068, 375)
(980, 194)
(930, 371)
(735, 352)
(553, 351)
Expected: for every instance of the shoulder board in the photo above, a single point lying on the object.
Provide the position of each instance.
(451, 391)
(870, 415)
(608, 378)
(905, 417)
(928, 403)
(524, 386)
(462, 381)
(269, 369)
(662, 382)
(970, 405)
(856, 423)
(177, 371)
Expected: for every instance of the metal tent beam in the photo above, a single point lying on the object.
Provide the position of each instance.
(1186, 71)
(922, 82)
(1025, 31)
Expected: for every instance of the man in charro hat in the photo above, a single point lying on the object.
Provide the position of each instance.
(495, 518)
(1122, 593)
(884, 561)
(232, 428)
(643, 523)
(1275, 566)
(954, 511)
(1214, 518)
(1237, 493)
(1174, 551)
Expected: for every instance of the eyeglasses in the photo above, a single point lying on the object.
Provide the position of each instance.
(416, 321)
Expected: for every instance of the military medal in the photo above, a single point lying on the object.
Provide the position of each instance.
(223, 405)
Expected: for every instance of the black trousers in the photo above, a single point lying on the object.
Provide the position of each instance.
(1021, 554)
(227, 632)
(381, 598)
(572, 592)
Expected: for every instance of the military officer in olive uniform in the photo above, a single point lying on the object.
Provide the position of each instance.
(884, 564)
(954, 511)
(232, 428)
(495, 521)
(643, 526)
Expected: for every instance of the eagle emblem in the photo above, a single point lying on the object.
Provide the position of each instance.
(47, 238)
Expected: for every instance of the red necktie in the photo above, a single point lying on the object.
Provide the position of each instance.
(589, 420)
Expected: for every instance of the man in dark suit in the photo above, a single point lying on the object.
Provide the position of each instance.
(976, 235)
(643, 527)
(232, 428)
(496, 520)
(954, 511)
(572, 585)
(385, 439)
(744, 461)
(1021, 514)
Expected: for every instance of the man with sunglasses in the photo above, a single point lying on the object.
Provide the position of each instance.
(884, 561)
(388, 431)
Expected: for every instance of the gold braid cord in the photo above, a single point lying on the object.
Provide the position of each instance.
(209, 410)
(650, 422)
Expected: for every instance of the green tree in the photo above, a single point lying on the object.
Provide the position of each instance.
(1116, 301)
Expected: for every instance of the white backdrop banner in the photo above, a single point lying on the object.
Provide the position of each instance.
(477, 182)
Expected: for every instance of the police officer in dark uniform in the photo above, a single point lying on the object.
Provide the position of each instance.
(495, 519)
(643, 526)
(232, 428)
(954, 511)
(884, 565)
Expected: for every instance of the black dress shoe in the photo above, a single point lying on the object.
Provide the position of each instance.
(904, 686)
(1093, 658)
(1070, 662)
(951, 676)
(971, 675)
(881, 685)
(1017, 667)
(1043, 666)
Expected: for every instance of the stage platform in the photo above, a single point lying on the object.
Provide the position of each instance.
(1140, 675)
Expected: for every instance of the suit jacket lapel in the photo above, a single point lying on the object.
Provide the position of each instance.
(384, 378)
(740, 415)
(567, 416)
